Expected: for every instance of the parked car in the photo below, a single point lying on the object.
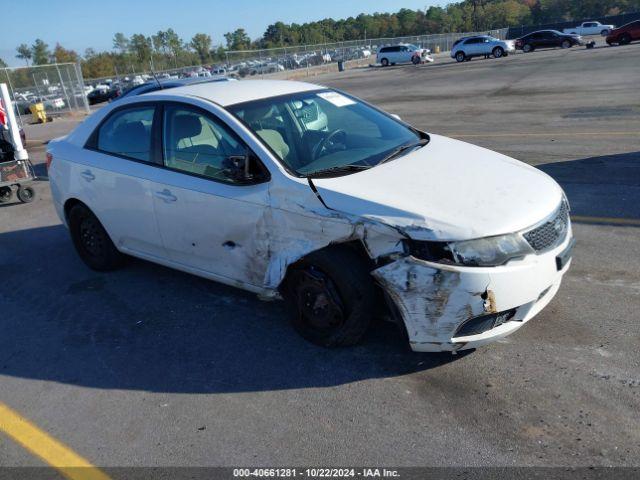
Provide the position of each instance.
(236, 182)
(466, 48)
(99, 95)
(402, 53)
(590, 28)
(624, 34)
(547, 39)
(168, 84)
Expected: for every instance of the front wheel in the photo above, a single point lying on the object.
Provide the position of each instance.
(566, 44)
(384, 62)
(527, 48)
(460, 57)
(498, 52)
(330, 297)
(92, 241)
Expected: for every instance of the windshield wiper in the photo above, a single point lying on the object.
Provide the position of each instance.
(403, 148)
(332, 171)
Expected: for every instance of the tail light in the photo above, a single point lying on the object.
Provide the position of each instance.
(49, 160)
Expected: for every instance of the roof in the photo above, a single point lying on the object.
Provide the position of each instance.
(229, 93)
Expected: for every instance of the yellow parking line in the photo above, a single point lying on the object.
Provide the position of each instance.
(550, 134)
(41, 444)
(610, 220)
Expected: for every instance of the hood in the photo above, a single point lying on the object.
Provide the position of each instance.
(447, 190)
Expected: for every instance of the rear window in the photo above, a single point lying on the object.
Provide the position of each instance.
(127, 133)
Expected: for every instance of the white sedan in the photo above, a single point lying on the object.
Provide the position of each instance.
(296, 191)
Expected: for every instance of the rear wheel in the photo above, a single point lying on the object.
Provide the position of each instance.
(26, 194)
(625, 38)
(384, 62)
(92, 241)
(527, 48)
(498, 52)
(6, 194)
(565, 44)
(460, 57)
(604, 33)
(330, 296)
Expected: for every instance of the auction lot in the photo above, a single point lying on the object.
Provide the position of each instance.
(151, 367)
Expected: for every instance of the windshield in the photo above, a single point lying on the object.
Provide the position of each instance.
(325, 131)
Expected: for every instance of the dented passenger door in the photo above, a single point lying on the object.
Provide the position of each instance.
(207, 215)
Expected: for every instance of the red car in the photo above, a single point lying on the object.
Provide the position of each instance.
(624, 34)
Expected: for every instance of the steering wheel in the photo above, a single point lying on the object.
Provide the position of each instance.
(328, 141)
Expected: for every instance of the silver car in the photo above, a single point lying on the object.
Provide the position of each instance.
(482, 45)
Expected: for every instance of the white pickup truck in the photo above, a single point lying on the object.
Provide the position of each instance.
(590, 28)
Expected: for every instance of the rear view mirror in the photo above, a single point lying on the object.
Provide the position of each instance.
(236, 168)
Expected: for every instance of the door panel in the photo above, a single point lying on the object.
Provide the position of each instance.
(115, 179)
(118, 191)
(206, 221)
(213, 227)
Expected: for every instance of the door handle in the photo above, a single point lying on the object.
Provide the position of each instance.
(88, 176)
(166, 196)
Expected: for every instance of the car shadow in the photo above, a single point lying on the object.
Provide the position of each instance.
(147, 327)
(606, 186)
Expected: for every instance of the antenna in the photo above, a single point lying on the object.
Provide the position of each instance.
(154, 76)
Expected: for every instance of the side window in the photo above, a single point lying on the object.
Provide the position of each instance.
(128, 133)
(194, 142)
(384, 50)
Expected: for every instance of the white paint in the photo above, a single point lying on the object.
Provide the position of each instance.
(448, 190)
(247, 236)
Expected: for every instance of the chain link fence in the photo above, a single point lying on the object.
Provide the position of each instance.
(306, 59)
(59, 87)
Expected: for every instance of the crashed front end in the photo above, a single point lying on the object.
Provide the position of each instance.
(448, 307)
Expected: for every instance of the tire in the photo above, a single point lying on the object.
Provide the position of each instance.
(93, 244)
(604, 33)
(384, 62)
(566, 44)
(527, 47)
(330, 297)
(498, 52)
(460, 57)
(26, 194)
(625, 39)
(6, 194)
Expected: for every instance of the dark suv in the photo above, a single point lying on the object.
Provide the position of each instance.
(624, 34)
(547, 39)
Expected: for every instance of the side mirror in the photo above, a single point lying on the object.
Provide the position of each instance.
(236, 168)
(396, 116)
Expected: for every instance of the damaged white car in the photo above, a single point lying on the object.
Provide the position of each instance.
(296, 191)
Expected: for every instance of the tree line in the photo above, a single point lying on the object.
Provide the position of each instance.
(167, 50)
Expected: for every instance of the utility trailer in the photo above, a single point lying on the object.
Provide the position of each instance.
(16, 171)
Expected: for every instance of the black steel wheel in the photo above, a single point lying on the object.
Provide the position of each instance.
(91, 240)
(6, 194)
(26, 194)
(330, 296)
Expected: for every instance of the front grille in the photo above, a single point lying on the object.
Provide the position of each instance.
(552, 232)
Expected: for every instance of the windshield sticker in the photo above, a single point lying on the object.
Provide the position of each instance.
(336, 99)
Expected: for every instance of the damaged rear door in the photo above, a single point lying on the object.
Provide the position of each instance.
(208, 219)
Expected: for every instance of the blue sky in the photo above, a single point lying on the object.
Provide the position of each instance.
(80, 24)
